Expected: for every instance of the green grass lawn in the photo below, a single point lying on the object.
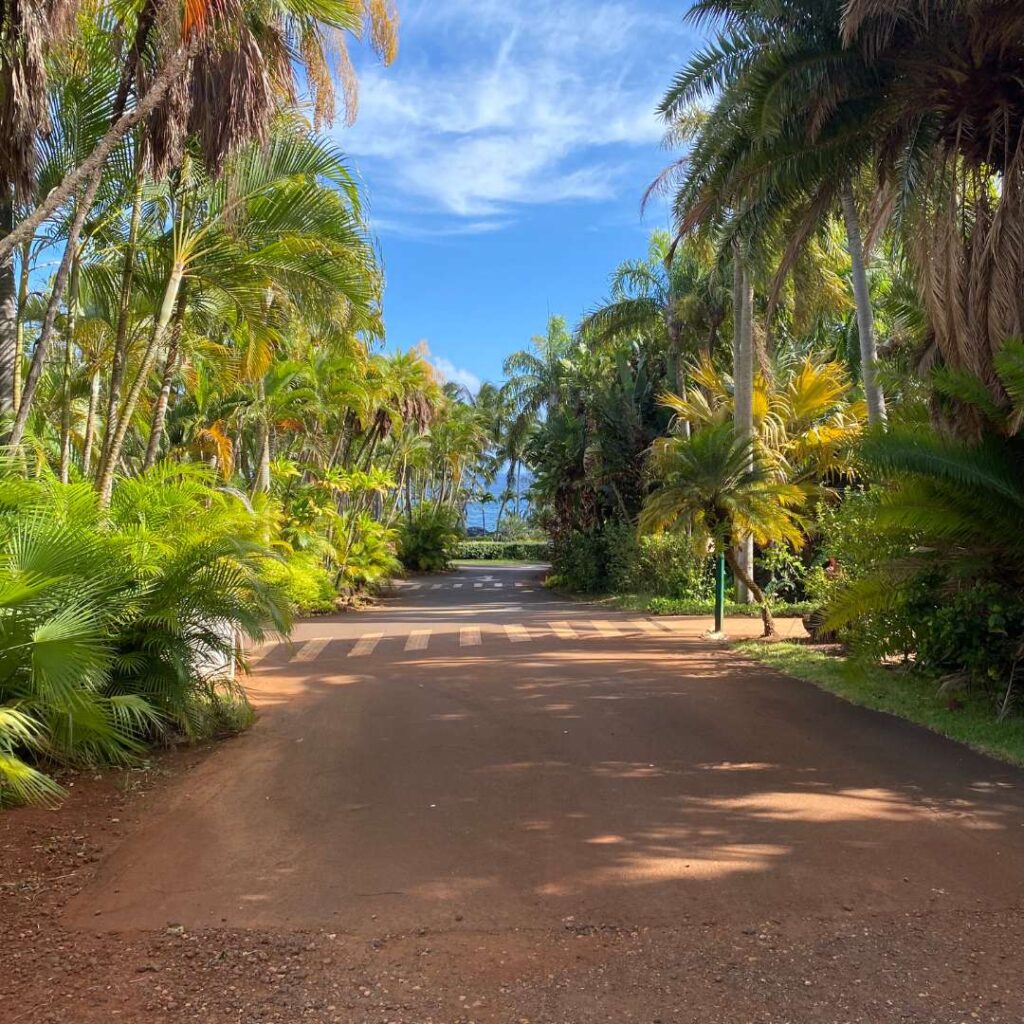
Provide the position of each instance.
(969, 720)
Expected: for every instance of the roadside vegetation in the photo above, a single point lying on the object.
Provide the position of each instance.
(819, 372)
(202, 436)
(816, 375)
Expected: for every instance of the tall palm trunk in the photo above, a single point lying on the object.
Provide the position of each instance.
(26, 269)
(865, 318)
(119, 360)
(156, 432)
(8, 315)
(69, 348)
(262, 480)
(743, 393)
(741, 572)
(60, 281)
(677, 367)
(90, 423)
(106, 481)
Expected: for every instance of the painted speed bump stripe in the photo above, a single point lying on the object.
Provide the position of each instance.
(366, 645)
(310, 650)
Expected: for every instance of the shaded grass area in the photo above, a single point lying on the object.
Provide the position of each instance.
(969, 719)
(687, 606)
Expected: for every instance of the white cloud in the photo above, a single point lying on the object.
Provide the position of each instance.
(494, 104)
(456, 374)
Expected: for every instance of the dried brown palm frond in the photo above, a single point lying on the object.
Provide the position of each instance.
(27, 29)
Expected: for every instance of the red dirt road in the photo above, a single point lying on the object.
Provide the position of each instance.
(480, 803)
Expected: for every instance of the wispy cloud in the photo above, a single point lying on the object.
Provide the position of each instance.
(494, 105)
(456, 374)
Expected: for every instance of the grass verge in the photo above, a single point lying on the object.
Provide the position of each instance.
(685, 606)
(969, 720)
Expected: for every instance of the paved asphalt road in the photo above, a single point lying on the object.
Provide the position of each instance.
(479, 754)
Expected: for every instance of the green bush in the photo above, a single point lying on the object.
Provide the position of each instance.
(504, 551)
(973, 637)
(428, 539)
(302, 578)
(111, 620)
(615, 560)
(514, 527)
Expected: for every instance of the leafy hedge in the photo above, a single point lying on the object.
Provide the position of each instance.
(504, 550)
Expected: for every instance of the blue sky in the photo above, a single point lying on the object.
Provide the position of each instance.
(504, 155)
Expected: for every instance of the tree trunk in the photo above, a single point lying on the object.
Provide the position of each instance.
(119, 360)
(26, 270)
(35, 369)
(90, 423)
(106, 481)
(740, 572)
(743, 391)
(8, 316)
(92, 165)
(156, 432)
(69, 348)
(865, 316)
(262, 481)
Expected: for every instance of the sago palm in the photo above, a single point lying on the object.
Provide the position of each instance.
(723, 488)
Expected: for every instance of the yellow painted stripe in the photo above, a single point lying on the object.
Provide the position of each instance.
(518, 634)
(469, 636)
(563, 630)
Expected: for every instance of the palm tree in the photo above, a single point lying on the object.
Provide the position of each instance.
(721, 487)
(674, 298)
(534, 378)
(791, 130)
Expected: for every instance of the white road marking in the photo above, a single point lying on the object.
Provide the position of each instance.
(436, 586)
(644, 625)
(469, 636)
(498, 586)
(366, 645)
(257, 654)
(310, 650)
(605, 628)
(418, 640)
(477, 586)
(563, 630)
(457, 586)
(518, 634)
(415, 586)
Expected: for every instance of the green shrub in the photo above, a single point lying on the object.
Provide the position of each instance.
(504, 551)
(110, 621)
(514, 527)
(615, 560)
(302, 578)
(973, 637)
(427, 540)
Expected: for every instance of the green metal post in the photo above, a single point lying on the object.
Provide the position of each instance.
(720, 595)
